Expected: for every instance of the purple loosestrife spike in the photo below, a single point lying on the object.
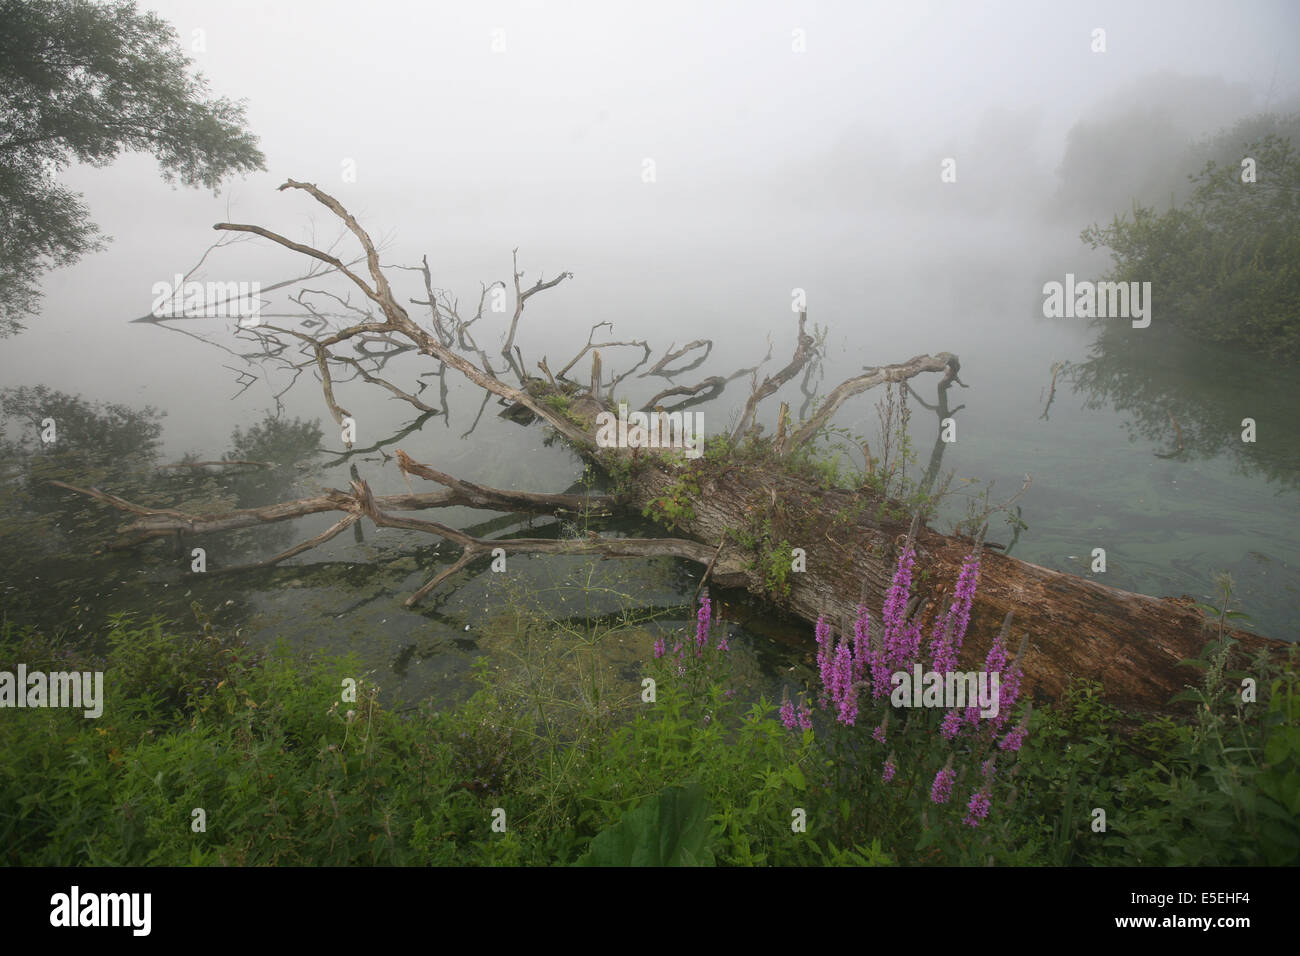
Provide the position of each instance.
(897, 595)
(1008, 693)
(977, 809)
(909, 645)
(890, 770)
(702, 621)
(951, 724)
(805, 717)
(949, 632)
(880, 674)
(788, 716)
(823, 632)
(996, 660)
(1013, 740)
(842, 690)
(943, 655)
(943, 781)
(895, 607)
(881, 731)
(659, 648)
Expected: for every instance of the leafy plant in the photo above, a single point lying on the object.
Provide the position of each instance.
(672, 828)
(675, 506)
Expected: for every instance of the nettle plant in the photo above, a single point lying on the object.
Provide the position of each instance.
(949, 765)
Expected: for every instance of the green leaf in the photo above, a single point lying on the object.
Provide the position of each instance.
(672, 828)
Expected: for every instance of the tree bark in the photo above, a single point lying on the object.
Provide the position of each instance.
(1077, 628)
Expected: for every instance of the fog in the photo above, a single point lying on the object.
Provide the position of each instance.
(792, 146)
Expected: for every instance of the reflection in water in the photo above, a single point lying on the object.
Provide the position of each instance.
(63, 566)
(66, 568)
(1192, 399)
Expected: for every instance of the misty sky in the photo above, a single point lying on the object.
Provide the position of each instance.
(769, 163)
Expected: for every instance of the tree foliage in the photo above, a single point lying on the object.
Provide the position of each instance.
(83, 82)
(1225, 266)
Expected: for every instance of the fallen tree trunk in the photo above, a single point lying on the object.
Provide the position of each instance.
(1077, 628)
(738, 515)
(1129, 642)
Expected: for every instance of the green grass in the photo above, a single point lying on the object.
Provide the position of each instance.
(285, 771)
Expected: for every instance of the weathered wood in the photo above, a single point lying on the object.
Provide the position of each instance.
(1077, 627)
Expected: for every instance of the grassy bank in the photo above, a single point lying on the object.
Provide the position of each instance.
(285, 770)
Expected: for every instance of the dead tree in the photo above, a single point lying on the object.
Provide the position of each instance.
(1075, 627)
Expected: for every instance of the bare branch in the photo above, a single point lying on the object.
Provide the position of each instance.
(338, 527)
(942, 362)
(773, 382)
(224, 463)
(305, 250)
(522, 296)
(658, 367)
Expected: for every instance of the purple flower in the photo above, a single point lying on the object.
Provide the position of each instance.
(823, 633)
(722, 642)
(702, 618)
(880, 674)
(1013, 740)
(1008, 694)
(889, 771)
(793, 717)
(896, 636)
(659, 648)
(951, 724)
(951, 627)
(977, 809)
(942, 788)
(996, 661)
(842, 690)
(788, 717)
(897, 595)
(878, 735)
(907, 647)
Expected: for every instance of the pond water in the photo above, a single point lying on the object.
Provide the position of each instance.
(1104, 460)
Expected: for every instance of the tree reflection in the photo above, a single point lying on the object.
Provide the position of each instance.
(1177, 393)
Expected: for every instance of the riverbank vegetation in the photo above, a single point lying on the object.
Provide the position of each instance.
(554, 759)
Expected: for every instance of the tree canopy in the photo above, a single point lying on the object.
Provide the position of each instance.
(1224, 267)
(83, 82)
